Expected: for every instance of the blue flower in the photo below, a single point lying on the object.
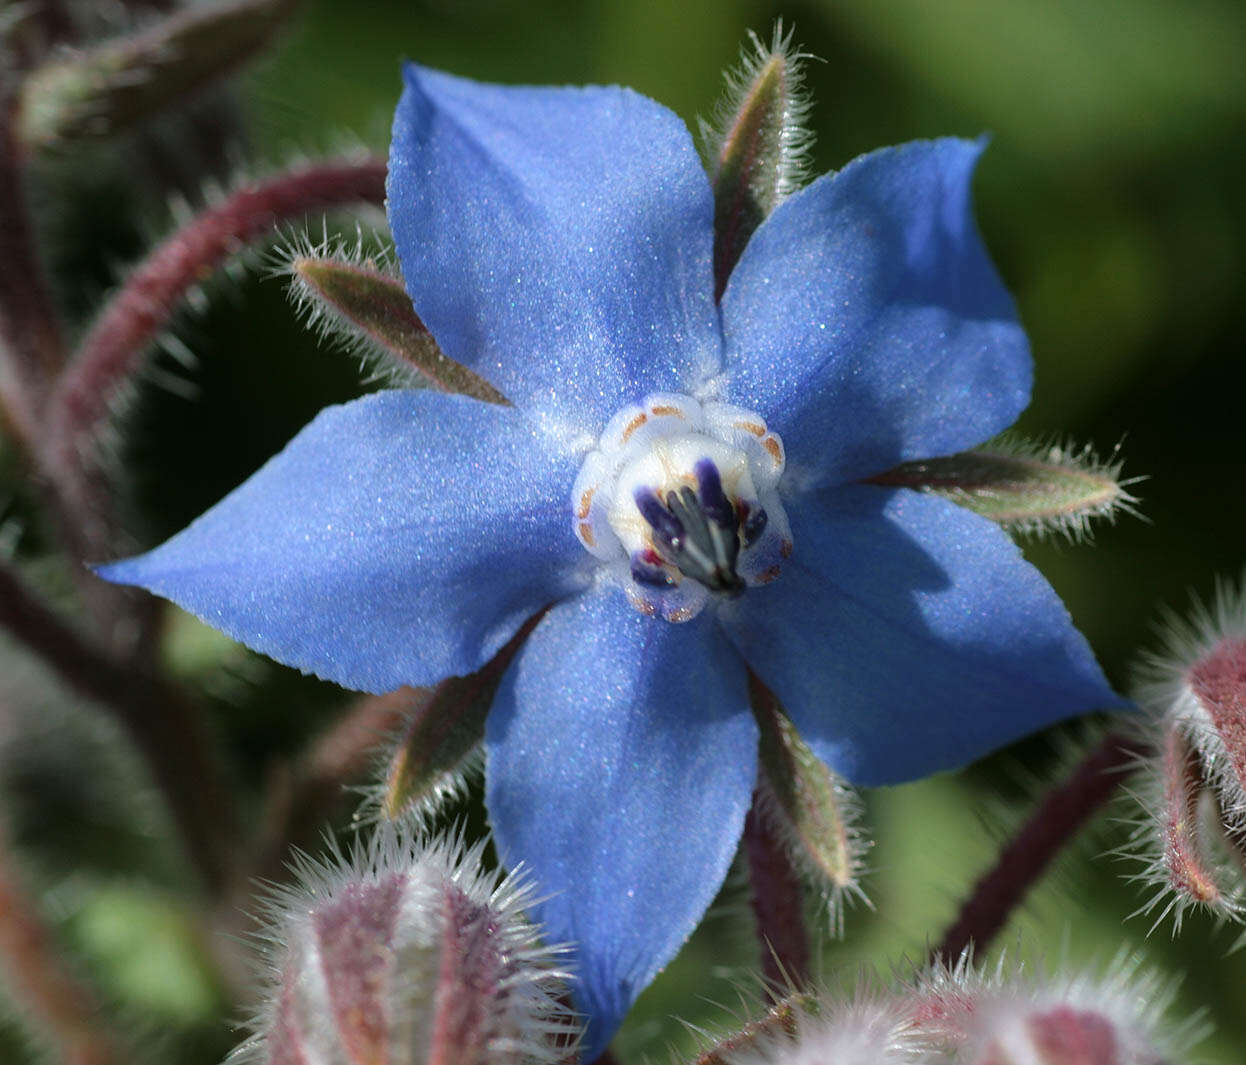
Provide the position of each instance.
(680, 483)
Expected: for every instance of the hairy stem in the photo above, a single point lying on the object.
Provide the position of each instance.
(113, 349)
(1063, 811)
(61, 1012)
(164, 727)
(302, 799)
(777, 905)
(31, 348)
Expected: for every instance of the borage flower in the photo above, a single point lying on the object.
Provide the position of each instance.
(678, 483)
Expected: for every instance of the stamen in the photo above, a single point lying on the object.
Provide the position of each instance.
(646, 572)
(752, 523)
(713, 499)
(699, 533)
(666, 526)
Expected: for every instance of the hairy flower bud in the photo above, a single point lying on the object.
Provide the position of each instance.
(1193, 839)
(972, 1019)
(407, 954)
(817, 1030)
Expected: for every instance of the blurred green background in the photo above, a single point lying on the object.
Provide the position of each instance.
(1113, 201)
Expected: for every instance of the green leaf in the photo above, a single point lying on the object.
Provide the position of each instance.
(757, 156)
(107, 88)
(814, 811)
(1024, 487)
(374, 307)
(442, 740)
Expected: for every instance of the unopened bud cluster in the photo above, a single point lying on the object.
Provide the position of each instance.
(961, 1017)
(407, 954)
(1193, 837)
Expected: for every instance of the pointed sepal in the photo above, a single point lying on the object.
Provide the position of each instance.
(757, 147)
(371, 306)
(105, 89)
(441, 743)
(1026, 488)
(812, 810)
(1191, 838)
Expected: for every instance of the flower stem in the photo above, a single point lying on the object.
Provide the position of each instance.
(162, 724)
(1063, 811)
(113, 349)
(777, 905)
(61, 1011)
(301, 799)
(31, 347)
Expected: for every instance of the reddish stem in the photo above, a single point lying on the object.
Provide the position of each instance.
(31, 348)
(63, 1012)
(777, 905)
(300, 803)
(1063, 811)
(112, 351)
(164, 727)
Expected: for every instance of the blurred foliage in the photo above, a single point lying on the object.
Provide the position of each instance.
(1113, 201)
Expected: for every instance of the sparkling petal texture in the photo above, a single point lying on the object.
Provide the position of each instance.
(622, 756)
(911, 636)
(556, 241)
(396, 540)
(866, 323)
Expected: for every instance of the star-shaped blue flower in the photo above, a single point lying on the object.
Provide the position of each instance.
(665, 457)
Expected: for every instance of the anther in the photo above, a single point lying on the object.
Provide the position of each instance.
(666, 527)
(752, 524)
(698, 533)
(645, 571)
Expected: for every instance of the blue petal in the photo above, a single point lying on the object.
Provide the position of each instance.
(622, 756)
(907, 635)
(865, 322)
(556, 240)
(397, 539)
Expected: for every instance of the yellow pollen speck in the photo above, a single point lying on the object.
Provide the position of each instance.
(772, 445)
(751, 427)
(785, 548)
(665, 410)
(684, 613)
(586, 502)
(634, 424)
(586, 534)
(640, 604)
(768, 575)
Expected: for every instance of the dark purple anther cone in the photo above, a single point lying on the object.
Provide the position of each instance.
(666, 527)
(714, 502)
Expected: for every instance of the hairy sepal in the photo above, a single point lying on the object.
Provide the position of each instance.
(814, 812)
(1025, 487)
(1191, 836)
(756, 148)
(441, 744)
(105, 89)
(373, 307)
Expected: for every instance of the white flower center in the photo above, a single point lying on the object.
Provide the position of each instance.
(681, 500)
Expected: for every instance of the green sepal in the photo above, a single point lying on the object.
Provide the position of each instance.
(375, 306)
(1023, 487)
(107, 88)
(441, 741)
(813, 810)
(756, 155)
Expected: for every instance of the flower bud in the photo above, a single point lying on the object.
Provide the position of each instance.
(406, 953)
(809, 1030)
(1193, 839)
(975, 1020)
